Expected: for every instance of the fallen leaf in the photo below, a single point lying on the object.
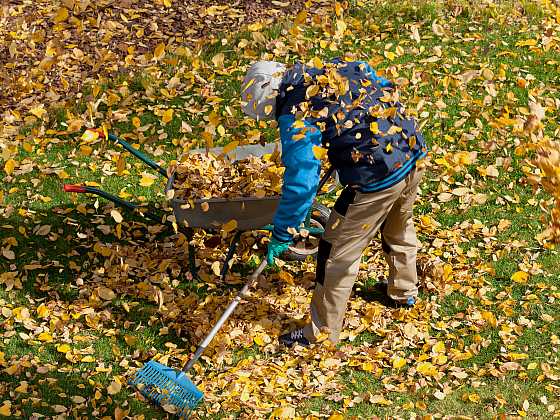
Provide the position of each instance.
(114, 388)
(116, 215)
(520, 277)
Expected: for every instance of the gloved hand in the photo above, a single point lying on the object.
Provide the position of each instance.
(275, 249)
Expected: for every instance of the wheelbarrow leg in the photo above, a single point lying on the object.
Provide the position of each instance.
(189, 234)
(230, 253)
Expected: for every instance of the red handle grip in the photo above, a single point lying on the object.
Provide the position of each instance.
(74, 188)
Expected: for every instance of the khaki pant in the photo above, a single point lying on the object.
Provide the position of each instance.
(354, 221)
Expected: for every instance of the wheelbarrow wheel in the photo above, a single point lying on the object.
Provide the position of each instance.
(305, 247)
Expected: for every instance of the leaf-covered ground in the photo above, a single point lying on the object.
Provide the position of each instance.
(85, 301)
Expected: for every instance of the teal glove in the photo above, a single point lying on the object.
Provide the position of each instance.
(275, 249)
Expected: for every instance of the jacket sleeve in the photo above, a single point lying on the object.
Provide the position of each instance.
(301, 176)
(374, 77)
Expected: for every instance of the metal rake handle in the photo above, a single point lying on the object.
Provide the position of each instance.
(229, 310)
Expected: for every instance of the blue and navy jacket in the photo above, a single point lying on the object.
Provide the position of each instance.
(353, 113)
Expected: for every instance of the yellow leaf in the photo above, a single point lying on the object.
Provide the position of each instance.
(167, 116)
(6, 409)
(116, 216)
(27, 147)
(368, 366)
(253, 27)
(147, 179)
(439, 347)
(38, 111)
(61, 15)
(44, 336)
(526, 43)
(258, 340)
(218, 60)
(43, 311)
(390, 55)
(518, 356)
(9, 166)
(62, 174)
(338, 9)
(159, 51)
(268, 109)
(317, 63)
(229, 147)
(301, 17)
(63, 348)
(205, 206)
(130, 339)
(319, 152)
(389, 148)
(475, 398)
(136, 122)
(398, 362)
(88, 359)
(487, 74)
(490, 318)
(439, 359)
(86, 150)
(312, 91)
(229, 226)
(426, 369)
(283, 413)
(374, 127)
(22, 387)
(520, 277)
(114, 388)
(90, 135)
(340, 27)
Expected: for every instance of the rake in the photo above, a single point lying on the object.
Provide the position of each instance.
(164, 385)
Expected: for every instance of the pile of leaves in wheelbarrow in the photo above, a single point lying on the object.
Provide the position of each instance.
(215, 176)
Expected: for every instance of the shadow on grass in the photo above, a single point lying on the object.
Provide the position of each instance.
(66, 258)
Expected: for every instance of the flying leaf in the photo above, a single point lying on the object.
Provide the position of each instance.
(319, 152)
(230, 146)
(230, 226)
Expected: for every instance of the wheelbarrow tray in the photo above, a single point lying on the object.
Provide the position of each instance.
(250, 213)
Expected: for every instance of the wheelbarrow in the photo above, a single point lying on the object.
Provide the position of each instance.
(251, 213)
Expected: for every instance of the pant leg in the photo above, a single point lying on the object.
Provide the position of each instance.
(354, 221)
(399, 242)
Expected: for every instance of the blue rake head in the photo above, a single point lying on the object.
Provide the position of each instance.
(164, 385)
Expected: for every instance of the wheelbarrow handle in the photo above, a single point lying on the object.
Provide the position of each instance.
(324, 180)
(117, 200)
(138, 154)
(229, 310)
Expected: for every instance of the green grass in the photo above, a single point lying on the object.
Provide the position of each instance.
(136, 313)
